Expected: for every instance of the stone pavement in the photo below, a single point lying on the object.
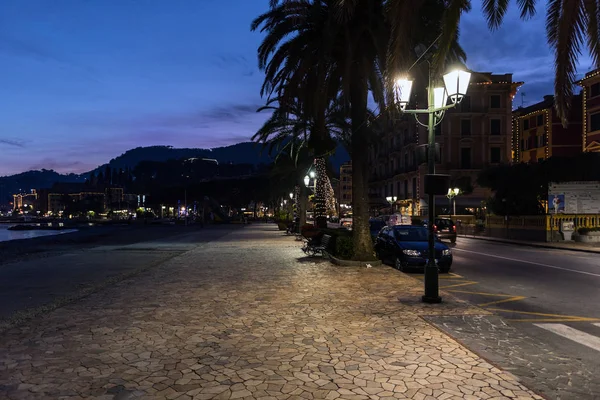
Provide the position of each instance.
(248, 317)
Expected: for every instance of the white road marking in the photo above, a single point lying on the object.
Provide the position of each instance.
(527, 262)
(572, 334)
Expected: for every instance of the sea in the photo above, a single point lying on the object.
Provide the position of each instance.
(6, 235)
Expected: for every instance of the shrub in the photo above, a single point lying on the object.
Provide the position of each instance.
(344, 248)
(585, 231)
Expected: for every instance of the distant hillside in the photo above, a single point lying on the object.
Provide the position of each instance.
(241, 153)
(33, 180)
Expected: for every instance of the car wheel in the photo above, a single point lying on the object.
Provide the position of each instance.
(398, 264)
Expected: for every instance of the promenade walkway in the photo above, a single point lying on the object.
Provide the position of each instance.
(248, 317)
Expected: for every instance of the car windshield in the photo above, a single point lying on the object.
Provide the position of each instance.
(411, 234)
(444, 223)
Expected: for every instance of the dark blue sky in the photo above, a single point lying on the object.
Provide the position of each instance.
(83, 81)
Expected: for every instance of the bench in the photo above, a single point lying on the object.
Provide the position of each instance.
(313, 249)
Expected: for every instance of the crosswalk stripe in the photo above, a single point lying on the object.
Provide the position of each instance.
(573, 334)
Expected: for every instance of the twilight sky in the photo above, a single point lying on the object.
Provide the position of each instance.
(83, 81)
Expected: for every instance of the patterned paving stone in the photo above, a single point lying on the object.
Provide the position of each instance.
(250, 317)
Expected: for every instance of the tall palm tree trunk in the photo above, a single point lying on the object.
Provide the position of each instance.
(363, 244)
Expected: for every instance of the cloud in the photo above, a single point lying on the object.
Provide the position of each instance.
(12, 142)
(62, 166)
(17, 47)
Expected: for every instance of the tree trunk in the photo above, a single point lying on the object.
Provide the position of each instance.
(363, 244)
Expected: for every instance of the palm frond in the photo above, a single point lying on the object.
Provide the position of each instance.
(592, 9)
(450, 23)
(527, 8)
(566, 40)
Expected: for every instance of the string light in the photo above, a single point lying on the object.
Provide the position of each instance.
(584, 100)
(324, 196)
(548, 127)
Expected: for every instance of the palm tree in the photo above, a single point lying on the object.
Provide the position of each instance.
(570, 25)
(288, 134)
(329, 54)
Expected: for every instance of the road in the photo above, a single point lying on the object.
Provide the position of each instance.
(545, 305)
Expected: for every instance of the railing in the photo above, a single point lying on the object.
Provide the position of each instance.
(554, 221)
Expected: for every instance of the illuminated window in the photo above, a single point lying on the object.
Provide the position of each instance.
(465, 127)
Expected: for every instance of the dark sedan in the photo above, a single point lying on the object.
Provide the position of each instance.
(406, 247)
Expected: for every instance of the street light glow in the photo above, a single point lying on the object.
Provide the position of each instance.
(402, 89)
(291, 196)
(306, 180)
(439, 97)
(311, 174)
(457, 83)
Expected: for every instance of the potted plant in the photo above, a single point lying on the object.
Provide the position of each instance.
(588, 235)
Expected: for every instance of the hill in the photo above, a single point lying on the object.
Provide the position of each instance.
(241, 153)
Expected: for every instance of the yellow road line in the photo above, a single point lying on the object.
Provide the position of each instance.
(514, 298)
(467, 283)
(480, 293)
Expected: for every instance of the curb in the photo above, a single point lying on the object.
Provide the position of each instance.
(351, 263)
(527, 244)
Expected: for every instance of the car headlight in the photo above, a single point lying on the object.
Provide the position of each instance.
(412, 253)
(447, 252)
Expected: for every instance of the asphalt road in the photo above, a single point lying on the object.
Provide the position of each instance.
(545, 326)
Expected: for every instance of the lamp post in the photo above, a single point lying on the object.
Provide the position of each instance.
(456, 84)
(452, 193)
(391, 200)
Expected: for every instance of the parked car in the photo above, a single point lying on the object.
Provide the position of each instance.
(407, 247)
(346, 223)
(445, 228)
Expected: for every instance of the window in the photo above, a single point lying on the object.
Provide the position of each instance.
(525, 124)
(495, 101)
(398, 187)
(540, 120)
(495, 127)
(595, 122)
(465, 127)
(595, 90)
(465, 104)
(406, 189)
(465, 158)
(495, 155)
(522, 145)
(414, 188)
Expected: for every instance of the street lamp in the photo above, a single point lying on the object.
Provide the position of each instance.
(452, 193)
(291, 196)
(456, 83)
(391, 200)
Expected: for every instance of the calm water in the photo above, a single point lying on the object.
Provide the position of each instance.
(5, 234)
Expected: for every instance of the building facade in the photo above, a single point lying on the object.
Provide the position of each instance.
(21, 200)
(590, 141)
(472, 136)
(538, 133)
(345, 185)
